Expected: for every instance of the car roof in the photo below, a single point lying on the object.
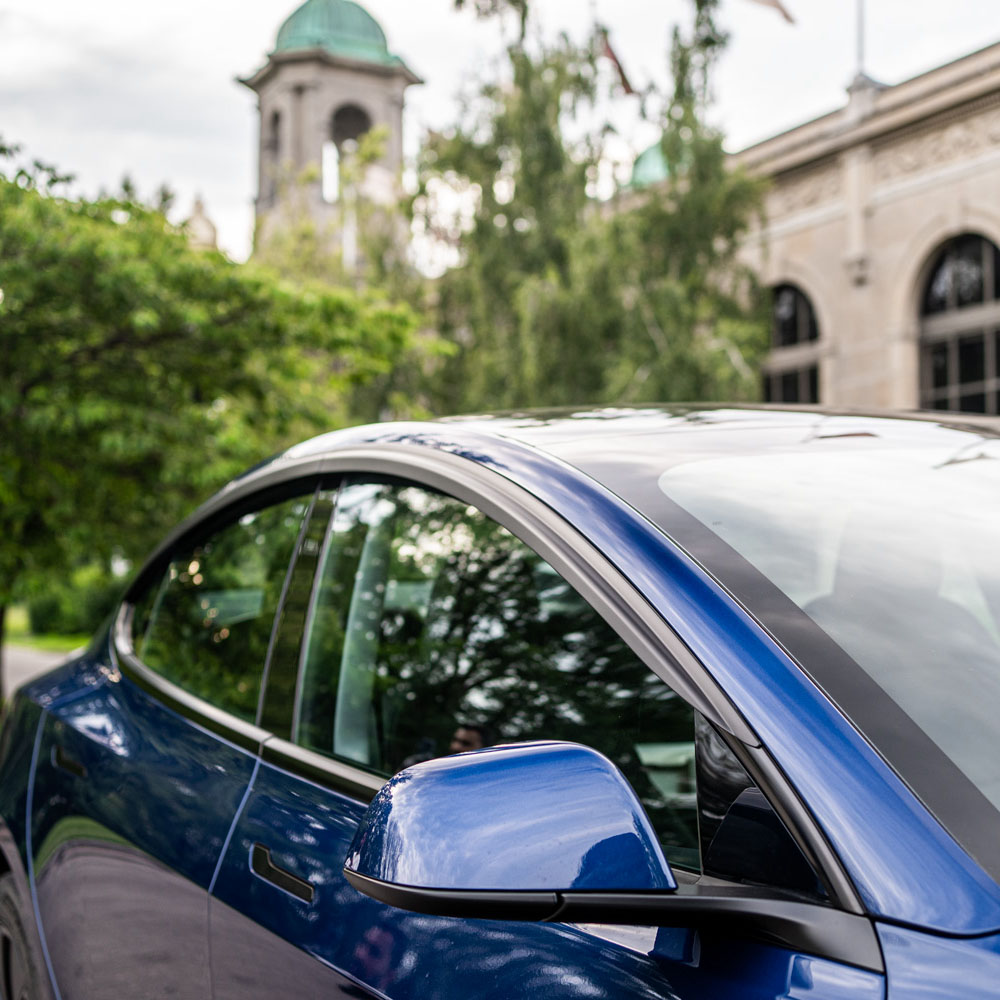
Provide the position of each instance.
(617, 445)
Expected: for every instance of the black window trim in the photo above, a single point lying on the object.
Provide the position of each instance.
(583, 566)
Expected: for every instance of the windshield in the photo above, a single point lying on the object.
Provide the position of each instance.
(892, 552)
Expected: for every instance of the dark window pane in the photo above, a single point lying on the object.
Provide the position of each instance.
(436, 630)
(937, 294)
(790, 387)
(939, 365)
(973, 403)
(968, 264)
(996, 273)
(786, 329)
(940, 404)
(210, 622)
(741, 837)
(813, 378)
(812, 330)
(768, 391)
(957, 278)
(971, 359)
(793, 318)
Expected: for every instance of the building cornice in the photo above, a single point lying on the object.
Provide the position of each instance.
(947, 92)
(318, 54)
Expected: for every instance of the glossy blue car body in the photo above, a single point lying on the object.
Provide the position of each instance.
(132, 818)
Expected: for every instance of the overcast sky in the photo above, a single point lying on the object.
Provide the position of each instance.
(110, 87)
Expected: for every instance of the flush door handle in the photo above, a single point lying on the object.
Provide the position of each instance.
(65, 762)
(262, 865)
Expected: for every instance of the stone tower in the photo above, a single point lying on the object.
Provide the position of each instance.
(329, 80)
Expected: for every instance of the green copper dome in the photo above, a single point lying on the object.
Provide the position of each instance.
(649, 167)
(339, 26)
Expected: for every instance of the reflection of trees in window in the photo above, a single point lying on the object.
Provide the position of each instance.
(463, 623)
(965, 273)
(960, 326)
(209, 623)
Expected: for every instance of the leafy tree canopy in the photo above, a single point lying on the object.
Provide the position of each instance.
(361, 244)
(558, 298)
(138, 374)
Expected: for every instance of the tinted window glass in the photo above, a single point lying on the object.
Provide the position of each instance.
(209, 618)
(888, 547)
(435, 630)
(742, 837)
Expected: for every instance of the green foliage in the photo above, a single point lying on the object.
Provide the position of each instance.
(309, 254)
(558, 298)
(491, 8)
(137, 374)
(75, 604)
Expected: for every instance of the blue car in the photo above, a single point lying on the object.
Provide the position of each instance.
(687, 703)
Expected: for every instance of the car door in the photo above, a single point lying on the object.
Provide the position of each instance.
(431, 628)
(133, 793)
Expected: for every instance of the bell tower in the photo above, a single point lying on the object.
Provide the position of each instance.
(328, 81)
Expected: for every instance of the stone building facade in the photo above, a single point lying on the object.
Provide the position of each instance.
(883, 222)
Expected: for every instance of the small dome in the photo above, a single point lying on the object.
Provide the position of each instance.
(339, 26)
(649, 167)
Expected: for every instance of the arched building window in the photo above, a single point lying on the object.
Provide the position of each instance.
(960, 328)
(791, 373)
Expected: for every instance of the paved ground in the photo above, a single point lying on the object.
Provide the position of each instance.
(21, 664)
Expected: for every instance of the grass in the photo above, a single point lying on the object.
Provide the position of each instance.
(17, 633)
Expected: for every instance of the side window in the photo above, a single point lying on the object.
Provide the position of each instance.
(742, 837)
(435, 630)
(205, 625)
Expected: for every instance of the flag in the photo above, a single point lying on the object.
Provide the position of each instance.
(609, 53)
(779, 7)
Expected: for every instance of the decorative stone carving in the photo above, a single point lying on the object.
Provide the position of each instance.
(800, 192)
(958, 140)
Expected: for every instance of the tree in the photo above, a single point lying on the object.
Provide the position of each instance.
(692, 321)
(300, 250)
(558, 298)
(138, 374)
(526, 184)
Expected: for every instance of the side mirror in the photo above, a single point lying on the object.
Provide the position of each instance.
(504, 832)
(553, 831)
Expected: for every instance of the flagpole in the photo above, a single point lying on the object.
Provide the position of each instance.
(861, 37)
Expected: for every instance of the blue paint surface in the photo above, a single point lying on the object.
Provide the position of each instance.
(529, 817)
